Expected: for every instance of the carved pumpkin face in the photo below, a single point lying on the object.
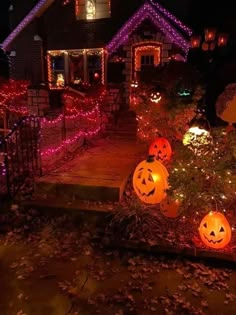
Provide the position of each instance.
(150, 181)
(170, 207)
(214, 230)
(161, 148)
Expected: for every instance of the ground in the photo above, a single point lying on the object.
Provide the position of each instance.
(56, 265)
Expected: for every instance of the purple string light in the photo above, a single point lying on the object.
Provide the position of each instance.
(147, 11)
(171, 17)
(29, 17)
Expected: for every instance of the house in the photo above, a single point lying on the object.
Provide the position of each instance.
(66, 42)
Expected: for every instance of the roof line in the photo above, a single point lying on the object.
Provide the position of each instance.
(147, 10)
(173, 18)
(26, 20)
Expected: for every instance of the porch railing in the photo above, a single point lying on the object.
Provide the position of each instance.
(19, 156)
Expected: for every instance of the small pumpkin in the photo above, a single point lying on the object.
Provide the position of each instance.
(214, 230)
(161, 148)
(150, 180)
(169, 207)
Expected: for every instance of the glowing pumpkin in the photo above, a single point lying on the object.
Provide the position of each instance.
(155, 97)
(161, 148)
(150, 180)
(169, 207)
(214, 230)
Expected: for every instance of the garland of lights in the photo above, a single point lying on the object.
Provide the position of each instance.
(147, 11)
(170, 16)
(66, 143)
(29, 17)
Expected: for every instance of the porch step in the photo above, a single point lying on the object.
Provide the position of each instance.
(100, 174)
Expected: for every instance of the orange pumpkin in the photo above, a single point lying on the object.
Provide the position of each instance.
(161, 148)
(169, 207)
(150, 180)
(214, 230)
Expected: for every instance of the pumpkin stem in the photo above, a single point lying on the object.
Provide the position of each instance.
(151, 158)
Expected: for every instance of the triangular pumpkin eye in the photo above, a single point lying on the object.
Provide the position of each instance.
(205, 225)
(222, 229)
(150, 178)
(139, 175)
(155, 146)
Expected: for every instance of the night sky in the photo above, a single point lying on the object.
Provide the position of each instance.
(196, 13)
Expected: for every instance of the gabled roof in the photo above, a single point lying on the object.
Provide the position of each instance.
(173, 28)
(156, 14)
(37, 10)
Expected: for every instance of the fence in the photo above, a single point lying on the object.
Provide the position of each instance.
(19, 156)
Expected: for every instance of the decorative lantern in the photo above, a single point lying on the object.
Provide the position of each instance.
(222, 39)
(195, 41)
(205, 46)
(198, 137)
(150, 181)
(210, 34)
(161, 149)
(214, 230)
(212, 46)
(169, 207)
(155, 97)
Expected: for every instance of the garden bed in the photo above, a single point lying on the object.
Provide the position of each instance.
(141, 227)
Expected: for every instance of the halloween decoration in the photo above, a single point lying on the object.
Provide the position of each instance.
(155, 97)
(198, 137)
(134, 84)
(226, 105)
(150, 180)
(214, 230)
(170, 207)
(184, 93)
(161, 148)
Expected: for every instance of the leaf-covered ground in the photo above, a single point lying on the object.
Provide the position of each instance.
(56, 265)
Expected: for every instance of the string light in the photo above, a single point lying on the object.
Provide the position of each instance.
(148, 11)
(27, 20)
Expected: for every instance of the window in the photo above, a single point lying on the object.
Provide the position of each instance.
(94, 62)
(147, 60)
(76, 67)
(56, 69)
(92, 9)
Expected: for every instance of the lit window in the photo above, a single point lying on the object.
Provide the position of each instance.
(90, 9)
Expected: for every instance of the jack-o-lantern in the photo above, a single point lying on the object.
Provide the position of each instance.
(155, 97)
(169, 207)
(161, 148)
(150, 180)
(214, 230)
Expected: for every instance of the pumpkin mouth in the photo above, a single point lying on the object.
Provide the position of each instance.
(212, 241)
(148, 194)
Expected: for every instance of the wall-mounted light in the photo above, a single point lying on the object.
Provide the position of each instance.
(37, 38)
(12, 53)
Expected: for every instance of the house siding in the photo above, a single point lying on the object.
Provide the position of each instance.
(26, 64)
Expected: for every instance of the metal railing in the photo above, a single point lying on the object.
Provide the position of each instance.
(19, 156)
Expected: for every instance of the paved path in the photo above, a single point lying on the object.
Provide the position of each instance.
(100, 174)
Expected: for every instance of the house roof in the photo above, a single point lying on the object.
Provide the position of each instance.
(174, 29)
(161, 18)
(36, 11)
